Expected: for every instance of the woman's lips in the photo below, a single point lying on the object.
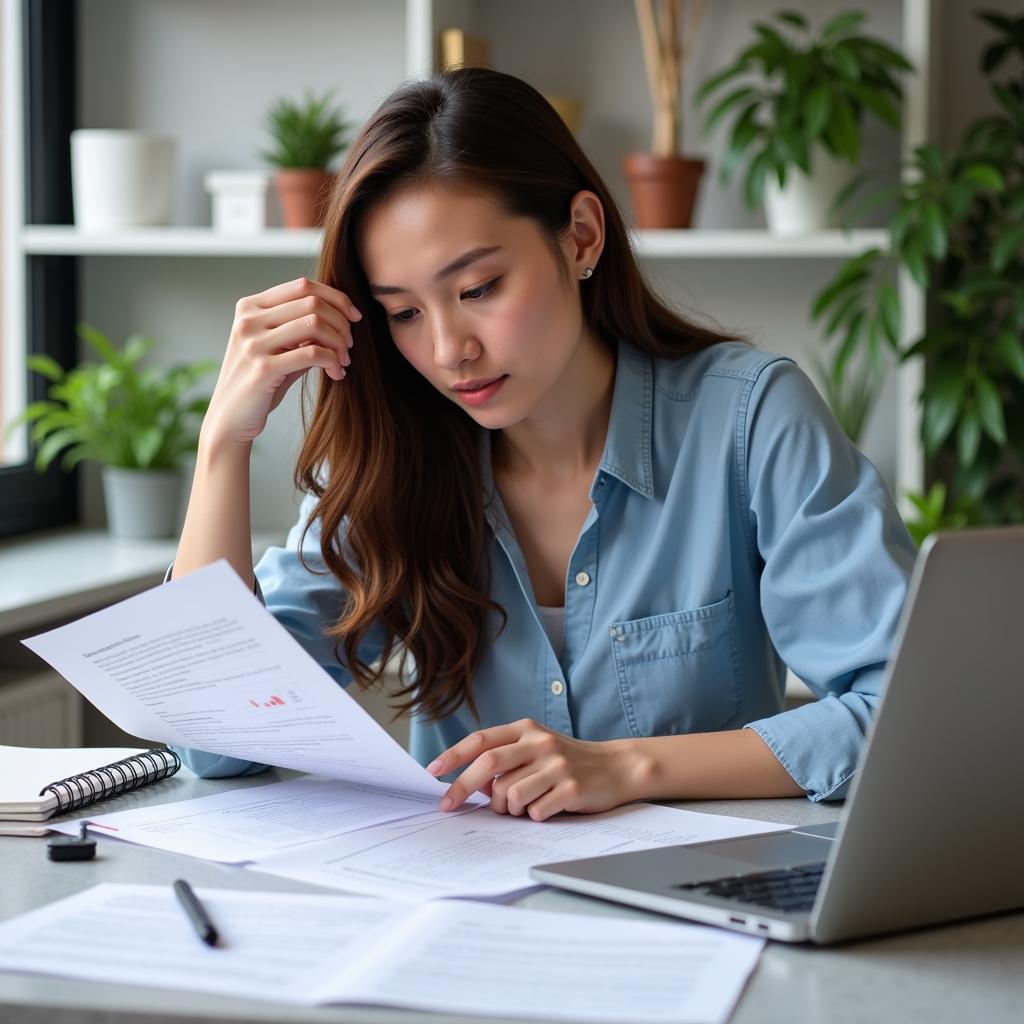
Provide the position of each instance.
(481, 395)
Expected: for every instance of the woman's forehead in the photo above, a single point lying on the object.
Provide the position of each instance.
(419, 233)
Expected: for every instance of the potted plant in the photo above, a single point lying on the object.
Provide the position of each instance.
(663, 184)
(799, 111)
(958, 229)
(307, 137)
(141, 424)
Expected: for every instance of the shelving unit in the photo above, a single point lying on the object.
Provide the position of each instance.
(734, 243)
(180, 283)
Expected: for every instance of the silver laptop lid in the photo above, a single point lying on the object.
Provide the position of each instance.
(934, 823)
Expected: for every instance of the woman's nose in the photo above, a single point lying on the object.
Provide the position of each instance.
(453, 344)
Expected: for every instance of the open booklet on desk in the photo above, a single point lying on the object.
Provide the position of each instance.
(447, 957)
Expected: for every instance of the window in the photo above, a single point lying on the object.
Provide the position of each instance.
(37, 293)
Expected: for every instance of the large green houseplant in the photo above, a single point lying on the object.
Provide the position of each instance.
(958, 228)
(306, 137)
(799, 100)
(140, 423)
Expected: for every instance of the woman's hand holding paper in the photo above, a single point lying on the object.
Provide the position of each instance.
(529, 769)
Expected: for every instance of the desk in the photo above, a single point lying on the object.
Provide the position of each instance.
(958, 973)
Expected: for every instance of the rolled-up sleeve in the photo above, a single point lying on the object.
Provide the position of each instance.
(305, 598)
(837, 560)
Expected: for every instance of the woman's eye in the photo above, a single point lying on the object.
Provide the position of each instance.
(405, 316)
(481, 289)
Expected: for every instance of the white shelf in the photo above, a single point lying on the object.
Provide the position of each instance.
(198, 241)
(738, 243)
(173, 241)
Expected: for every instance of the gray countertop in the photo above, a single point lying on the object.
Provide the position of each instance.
(968, 971)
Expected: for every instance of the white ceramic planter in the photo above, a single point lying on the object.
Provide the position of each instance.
(238, 200)
(121, 179)
(802, 206)
(142, 503)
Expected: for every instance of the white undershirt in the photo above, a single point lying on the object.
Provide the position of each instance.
(553, 621)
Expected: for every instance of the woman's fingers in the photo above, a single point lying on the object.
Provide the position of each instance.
(475, 744)
(485, 767)
(298, 360)
(300, 308)
(302, 288)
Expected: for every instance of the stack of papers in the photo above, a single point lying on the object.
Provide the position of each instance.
(447, 957)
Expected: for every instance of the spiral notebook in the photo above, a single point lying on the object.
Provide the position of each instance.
(38, 783)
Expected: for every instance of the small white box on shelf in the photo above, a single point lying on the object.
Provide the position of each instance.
(238, 200)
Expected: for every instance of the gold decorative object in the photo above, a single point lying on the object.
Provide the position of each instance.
(461, 49)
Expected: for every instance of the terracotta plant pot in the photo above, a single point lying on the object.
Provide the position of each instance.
(303, 193)
(664, 189)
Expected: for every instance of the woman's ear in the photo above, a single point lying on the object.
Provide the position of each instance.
(586, 233)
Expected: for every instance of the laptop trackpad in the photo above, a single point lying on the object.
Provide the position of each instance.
(779, 849)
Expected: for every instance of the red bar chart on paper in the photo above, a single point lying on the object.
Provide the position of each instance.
(274, 702)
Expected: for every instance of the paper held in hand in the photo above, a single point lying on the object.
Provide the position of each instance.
(200, 662)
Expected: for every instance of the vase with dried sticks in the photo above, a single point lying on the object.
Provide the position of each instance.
(663, 183)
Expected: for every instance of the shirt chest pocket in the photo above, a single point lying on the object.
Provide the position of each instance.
(679, 672)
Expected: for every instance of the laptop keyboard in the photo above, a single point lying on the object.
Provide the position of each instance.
(790, 890)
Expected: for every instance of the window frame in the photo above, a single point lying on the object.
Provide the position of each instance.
(30, 500)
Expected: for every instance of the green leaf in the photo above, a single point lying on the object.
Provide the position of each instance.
(744, 132)
(99, 343)
(844, 132)
(816, 110)
(1005, 247)
(915, 262)
(889, 313)
(942, 404)
(990, 408)
(968, 438)
(753, 185)
(719, 79)
(846, 307)
(1011, 351)
(48, 367)
(725, 105)
(794, 18)
(933, 230)
(55, 443)
(853, 272)
(846, 63)
(849, 345)
(842, 23)
(984, 176)
(931, 161)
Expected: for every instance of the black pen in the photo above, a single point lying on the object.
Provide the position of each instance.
(196, 912)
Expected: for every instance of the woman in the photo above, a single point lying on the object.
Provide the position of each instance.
(599, 528)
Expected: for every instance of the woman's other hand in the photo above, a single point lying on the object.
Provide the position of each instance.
(277, 336)
(530, 769)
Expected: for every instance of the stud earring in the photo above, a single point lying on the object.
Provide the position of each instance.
(587, 272)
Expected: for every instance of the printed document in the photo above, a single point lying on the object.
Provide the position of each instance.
(241, 824)
(462, 957)
(200, 662)
(485, 855)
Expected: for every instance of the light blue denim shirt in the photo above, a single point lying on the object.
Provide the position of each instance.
(734, 530)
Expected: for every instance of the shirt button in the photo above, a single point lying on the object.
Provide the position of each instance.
(557, 687)
(615, 633)
(582, 578)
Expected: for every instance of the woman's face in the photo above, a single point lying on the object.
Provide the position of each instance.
(473, 295)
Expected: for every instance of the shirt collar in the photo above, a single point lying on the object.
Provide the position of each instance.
(627, 449)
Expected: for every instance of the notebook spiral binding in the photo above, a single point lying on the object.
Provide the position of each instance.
(112, 780)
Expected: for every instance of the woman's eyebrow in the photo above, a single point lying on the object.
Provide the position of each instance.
(454, 267)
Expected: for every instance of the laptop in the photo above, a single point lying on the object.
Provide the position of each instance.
(933, 826)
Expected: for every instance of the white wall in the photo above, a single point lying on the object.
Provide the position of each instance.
(207, 71)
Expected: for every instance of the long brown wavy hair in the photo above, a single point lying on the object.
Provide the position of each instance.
(394, 465)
